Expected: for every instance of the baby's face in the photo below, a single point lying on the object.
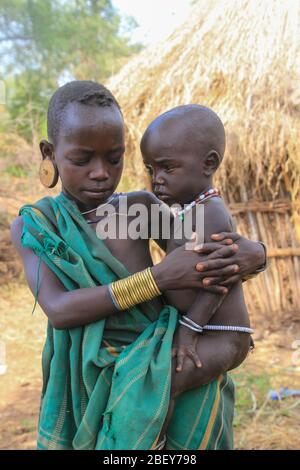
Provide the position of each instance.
(89, 152)
(174, 163)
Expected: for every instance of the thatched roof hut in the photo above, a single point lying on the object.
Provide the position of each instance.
(242, 58)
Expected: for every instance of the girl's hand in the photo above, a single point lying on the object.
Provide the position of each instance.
(249, 257)
(178, 270)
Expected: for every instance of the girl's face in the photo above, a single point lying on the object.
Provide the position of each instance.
(89, 153)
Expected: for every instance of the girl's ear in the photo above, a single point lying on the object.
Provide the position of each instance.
(211, 162)
(47, 150)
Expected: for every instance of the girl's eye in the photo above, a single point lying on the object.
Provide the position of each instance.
(80, 162)
(115, 161)
(169, 169)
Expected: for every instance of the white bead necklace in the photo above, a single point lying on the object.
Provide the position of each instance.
(212, 192)
(111, 198)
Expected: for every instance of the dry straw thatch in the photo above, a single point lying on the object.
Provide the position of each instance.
(241, 58)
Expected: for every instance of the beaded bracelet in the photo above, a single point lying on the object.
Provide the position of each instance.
(189, 323)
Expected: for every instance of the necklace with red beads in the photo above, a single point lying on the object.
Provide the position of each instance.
(212, 192)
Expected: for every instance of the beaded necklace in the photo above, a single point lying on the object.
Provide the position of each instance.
(109, 200)
(212, 192)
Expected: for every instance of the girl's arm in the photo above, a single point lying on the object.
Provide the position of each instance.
(69, 309)
(65, 309)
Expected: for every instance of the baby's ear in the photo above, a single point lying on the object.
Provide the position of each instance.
(211, 162)
(47, 149)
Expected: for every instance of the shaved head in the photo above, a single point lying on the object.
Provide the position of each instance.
(182, 149)
(196, 123)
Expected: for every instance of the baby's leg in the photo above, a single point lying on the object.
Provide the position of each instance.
(219, 352)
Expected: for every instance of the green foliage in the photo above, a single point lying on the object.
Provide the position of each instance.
(44, 42)
(16, 170)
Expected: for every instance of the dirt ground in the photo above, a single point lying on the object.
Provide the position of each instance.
(23, 335)
(259, 423)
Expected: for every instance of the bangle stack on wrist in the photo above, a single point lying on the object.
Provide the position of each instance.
(133, 290)
(189, 323)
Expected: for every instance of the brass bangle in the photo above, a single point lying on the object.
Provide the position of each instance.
(135, 289)
(153, 282)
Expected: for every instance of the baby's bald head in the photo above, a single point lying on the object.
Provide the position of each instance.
(194, 124)
(182, 149)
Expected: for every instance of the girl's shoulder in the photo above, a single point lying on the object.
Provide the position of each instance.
(41, 206)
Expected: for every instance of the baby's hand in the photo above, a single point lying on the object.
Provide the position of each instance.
(185, 341)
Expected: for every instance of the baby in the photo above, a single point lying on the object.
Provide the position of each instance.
(182, 149)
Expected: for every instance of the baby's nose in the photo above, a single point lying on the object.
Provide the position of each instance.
(157, 181)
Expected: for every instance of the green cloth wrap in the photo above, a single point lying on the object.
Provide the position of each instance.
(106, 385)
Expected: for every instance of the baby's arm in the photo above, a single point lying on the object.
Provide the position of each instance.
(216, 218)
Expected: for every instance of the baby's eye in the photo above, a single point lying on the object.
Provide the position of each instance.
(168, 169)
(149, 169)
